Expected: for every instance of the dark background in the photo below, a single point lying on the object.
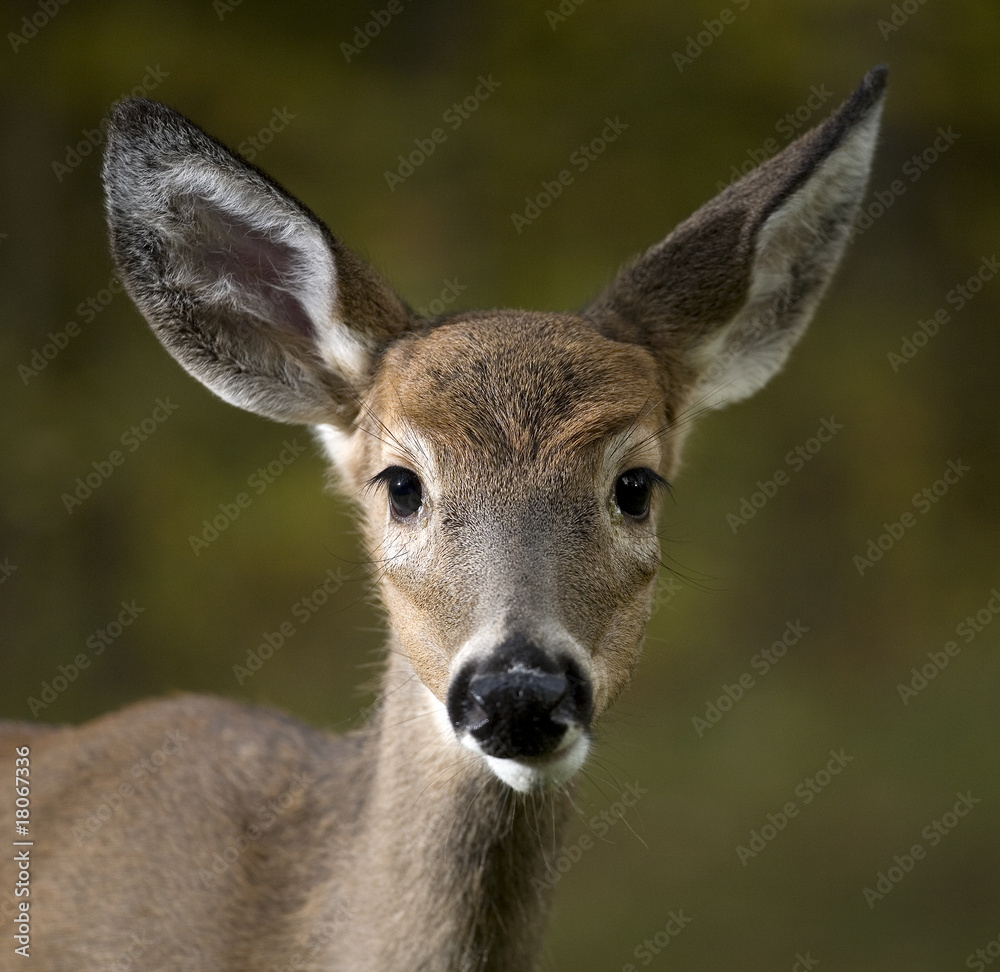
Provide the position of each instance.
(329, 125)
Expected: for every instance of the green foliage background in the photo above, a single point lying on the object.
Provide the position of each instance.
(230, 66)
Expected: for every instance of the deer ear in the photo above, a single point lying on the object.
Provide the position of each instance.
(724, 298)
(244, 286)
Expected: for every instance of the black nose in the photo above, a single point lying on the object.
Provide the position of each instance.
(519, 702)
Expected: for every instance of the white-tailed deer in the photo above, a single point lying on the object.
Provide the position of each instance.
(509, 467)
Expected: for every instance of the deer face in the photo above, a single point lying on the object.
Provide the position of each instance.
(512, 466)
(509, 465)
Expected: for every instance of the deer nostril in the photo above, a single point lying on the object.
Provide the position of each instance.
(475, 717)
(519, 707)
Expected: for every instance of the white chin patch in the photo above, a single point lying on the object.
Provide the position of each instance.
(542, 773)
(525, 776)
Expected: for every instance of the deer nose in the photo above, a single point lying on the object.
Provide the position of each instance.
(518, 703)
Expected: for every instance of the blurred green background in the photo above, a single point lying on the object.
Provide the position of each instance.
(330, 123)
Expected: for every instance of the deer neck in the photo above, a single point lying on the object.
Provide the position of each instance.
(452, 867)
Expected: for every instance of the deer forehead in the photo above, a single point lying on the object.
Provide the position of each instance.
(515, 391)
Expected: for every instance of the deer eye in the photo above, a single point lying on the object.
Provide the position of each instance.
(406, 494)
(634, 491)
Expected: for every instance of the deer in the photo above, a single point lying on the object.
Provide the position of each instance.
(508, 468)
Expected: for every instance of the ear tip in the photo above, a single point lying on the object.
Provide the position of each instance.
(877, 77)
(859, 112)
(140, 132)
(138, 124)
(871, 91)
(131, 123)
(134, 114)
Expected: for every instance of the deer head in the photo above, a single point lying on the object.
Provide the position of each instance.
(509, 465)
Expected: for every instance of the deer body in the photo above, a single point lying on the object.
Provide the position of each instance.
(258, 842)
(509, 467)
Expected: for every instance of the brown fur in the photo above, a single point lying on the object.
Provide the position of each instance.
(193, 833)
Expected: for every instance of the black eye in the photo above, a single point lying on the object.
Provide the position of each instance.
(405, 492)
(406, 495)
(634, 491)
